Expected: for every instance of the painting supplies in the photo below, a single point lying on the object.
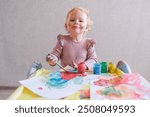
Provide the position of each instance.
(111, 67)
(52, 57)
(103, 67)
(97, 69)
(80, 72)
(62, 67)
(81, 67)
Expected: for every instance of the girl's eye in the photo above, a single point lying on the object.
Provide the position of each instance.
(72, 20)
(81, 21)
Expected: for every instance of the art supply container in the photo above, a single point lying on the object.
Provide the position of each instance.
(97, 69)
(104, 67)
(111, 67)
(81, 67)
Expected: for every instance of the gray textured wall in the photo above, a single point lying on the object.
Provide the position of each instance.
(28, 28)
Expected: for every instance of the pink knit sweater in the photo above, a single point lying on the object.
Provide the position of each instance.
(69, 51)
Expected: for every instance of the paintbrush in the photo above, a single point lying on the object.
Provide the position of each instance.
(62, 67)
(51, 57)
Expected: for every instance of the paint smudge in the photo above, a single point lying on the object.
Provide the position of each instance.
(85, 94)
(68, 75)
(119, 92)
(40, 88)
(60, 79)
(56, 81)
(71, 75)
(130, 79)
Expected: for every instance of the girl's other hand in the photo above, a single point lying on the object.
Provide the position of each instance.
(75, 66)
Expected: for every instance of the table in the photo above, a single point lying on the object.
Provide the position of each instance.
(104, 87)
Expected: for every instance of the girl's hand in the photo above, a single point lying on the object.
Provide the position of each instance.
(75, 66)
(51, 59)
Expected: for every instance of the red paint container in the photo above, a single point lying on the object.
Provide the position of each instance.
(81, 67)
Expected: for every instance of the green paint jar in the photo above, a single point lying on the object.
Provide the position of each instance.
(103, 67)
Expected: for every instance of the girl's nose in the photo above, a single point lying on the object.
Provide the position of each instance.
(77, 21)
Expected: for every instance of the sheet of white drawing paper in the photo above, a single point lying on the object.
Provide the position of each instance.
(37, 86)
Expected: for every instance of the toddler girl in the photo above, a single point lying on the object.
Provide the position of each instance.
(74, 48)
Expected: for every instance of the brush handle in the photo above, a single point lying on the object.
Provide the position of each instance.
(52, 57)
(61, 66)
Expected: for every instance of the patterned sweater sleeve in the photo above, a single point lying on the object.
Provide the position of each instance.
(91, 53)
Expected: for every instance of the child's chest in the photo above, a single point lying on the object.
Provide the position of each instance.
(75, 49)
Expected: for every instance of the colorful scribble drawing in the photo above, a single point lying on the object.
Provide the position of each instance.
(119, 92)
(130, 79)
(127, 86)
(56, 80)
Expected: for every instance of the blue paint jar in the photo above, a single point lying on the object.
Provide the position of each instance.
(97, 69)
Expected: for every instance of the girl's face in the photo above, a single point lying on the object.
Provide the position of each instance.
(76, 22)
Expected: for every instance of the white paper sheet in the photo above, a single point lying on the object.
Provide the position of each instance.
(37, 85)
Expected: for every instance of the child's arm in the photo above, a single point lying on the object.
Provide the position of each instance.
(54, 56)
(91, 55)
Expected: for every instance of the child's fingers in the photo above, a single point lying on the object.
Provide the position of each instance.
(48, 57)
(51, 59)
(54, 60)
(74, 65)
